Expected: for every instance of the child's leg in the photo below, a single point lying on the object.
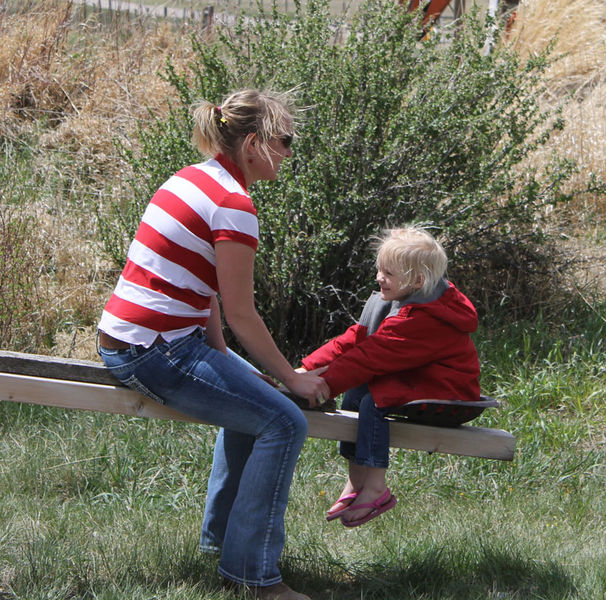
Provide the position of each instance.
(351, 401)
(368, 466)
(373, 486)
(368, 457)
(372, 441)
(347, 496)
(360, 478)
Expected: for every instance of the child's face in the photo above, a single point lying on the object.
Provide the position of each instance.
(392, 285)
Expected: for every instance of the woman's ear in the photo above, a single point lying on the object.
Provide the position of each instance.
(249, 149)
(250, 141)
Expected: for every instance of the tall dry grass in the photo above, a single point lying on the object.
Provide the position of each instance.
(576, 80)
(87, 82)
(576, 83)
(69, 88)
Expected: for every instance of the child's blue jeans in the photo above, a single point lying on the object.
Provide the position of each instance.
(255, 454)
(372, 443)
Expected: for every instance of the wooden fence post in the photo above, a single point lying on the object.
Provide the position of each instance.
(207, 17)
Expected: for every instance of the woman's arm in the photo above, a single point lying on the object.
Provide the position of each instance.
(235, 269)
(214, 331)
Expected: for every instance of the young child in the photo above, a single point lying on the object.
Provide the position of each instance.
(412, 342)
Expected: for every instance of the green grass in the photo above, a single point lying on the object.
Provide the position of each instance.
(102, 506)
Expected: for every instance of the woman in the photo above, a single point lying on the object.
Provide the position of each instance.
(160, 332)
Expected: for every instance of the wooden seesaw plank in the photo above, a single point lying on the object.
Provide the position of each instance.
(340, 425)
(55, 367)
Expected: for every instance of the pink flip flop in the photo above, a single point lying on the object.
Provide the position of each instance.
(349, 498)
(378, 507)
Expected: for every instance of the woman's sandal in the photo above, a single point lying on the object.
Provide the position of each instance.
(378, 507)
(347, 499)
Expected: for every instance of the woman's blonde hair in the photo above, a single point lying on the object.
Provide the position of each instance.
(224, 128)
(414, 255)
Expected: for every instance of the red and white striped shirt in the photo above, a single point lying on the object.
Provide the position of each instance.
(170, 276)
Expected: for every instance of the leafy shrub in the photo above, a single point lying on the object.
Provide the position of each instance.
(395, 130)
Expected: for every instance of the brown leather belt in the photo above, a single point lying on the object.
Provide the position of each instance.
(111, 343)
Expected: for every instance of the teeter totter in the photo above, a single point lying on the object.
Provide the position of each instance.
(88, 385)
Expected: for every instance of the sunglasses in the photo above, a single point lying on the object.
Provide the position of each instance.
(287, 140)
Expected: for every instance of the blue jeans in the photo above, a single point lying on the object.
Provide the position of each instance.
(372, 443)
(255, 453)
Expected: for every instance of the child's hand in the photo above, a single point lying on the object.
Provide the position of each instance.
(309, 385)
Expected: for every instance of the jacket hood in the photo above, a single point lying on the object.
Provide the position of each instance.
(445, 302)
(455, 308)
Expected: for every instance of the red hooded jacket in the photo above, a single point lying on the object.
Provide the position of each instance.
(418, 351)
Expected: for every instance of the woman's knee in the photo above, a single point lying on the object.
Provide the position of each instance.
(278, 412)
(291, 423)
(299, 423)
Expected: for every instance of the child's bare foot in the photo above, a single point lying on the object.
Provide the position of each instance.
(371, 503)
(341, 505)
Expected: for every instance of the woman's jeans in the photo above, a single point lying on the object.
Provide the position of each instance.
(255, 453)
(372, 443)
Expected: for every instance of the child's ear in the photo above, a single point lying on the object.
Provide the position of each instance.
(420, 281)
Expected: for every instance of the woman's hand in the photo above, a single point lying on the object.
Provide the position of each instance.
(309, 385)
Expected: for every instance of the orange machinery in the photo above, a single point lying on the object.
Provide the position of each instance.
(432, 10)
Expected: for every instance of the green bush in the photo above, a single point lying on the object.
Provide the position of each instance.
(395, 130)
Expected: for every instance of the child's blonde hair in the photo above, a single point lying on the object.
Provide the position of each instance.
(223, 128)
(414, 255)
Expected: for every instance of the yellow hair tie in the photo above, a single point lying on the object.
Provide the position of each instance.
(222, 119)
